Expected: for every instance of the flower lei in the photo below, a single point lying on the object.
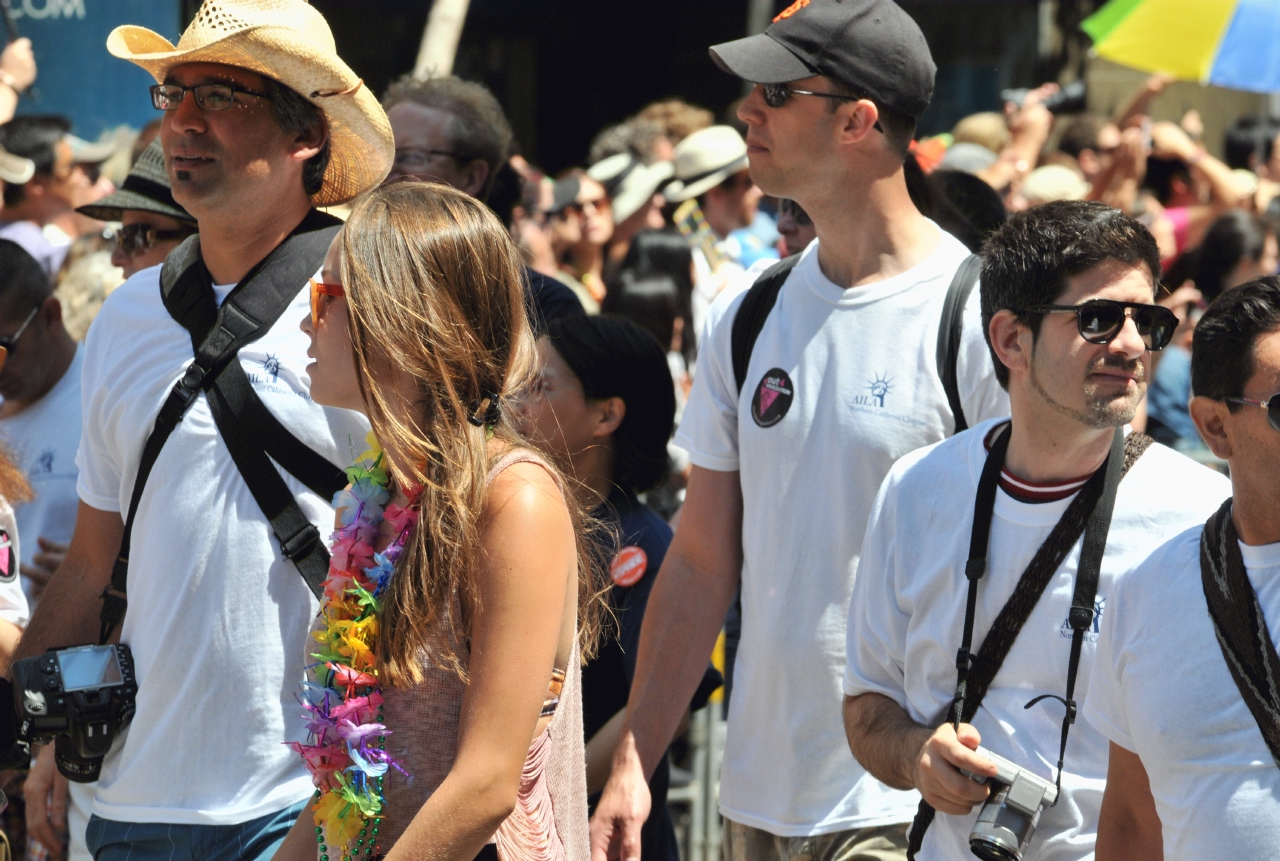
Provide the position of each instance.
(346, 753)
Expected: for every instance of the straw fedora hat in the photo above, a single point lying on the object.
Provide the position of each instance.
(705, 159)
(146, 188)
(290, 42)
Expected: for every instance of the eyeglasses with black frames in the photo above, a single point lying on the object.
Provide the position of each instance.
(1271, 405)
(210, 97)
(1100, 320)
(776, 95)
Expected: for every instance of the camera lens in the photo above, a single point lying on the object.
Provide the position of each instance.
(71, 765)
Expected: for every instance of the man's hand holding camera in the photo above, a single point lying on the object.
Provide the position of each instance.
(936, 770)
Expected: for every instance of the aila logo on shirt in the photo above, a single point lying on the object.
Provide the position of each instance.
(772, 398)
(1092, 634)
(877, 389)
(272, 366)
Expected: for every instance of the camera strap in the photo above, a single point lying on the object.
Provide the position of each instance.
(253, 435)
(1240, 626)
(1089, 513)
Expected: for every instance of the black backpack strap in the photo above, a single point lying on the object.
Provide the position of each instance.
(950, 331)
(250, 431)
(752, 313)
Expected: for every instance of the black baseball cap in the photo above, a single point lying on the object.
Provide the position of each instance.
(870, 46)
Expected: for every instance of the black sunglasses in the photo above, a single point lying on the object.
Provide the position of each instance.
(1100, 320)
(135, 239)
(210, 97)
(776, 95)
(1271, 405)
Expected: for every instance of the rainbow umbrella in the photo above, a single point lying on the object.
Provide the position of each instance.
(1230, 43)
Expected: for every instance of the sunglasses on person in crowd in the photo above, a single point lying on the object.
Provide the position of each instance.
(412, 159)
(8, 342)
(319, 289)
(1271, 405)
(790, 207)
(1100, 320)
(135, 239)
(210, 97)
(776, 95)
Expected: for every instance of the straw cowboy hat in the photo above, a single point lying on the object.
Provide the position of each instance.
(290, 42)
(705, 159)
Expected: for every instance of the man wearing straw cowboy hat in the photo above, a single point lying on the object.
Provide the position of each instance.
(262, 122)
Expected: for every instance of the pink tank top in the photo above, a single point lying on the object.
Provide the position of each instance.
(549, 822)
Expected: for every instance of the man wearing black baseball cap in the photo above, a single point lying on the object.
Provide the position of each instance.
(791, 434)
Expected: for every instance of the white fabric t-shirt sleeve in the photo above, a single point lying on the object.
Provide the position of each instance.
(100, 471)
(709, 429)
(981, 395)
(876, 636)
(1104, 707)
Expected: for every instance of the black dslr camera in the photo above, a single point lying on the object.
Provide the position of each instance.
(78, 698)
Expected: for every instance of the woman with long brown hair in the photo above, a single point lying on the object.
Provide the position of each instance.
(444, 709)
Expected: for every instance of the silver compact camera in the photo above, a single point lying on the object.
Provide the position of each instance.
(1011, 812)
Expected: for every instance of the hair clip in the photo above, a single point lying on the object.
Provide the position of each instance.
(485, 411)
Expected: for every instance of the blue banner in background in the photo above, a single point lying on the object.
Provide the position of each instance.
(76, 77)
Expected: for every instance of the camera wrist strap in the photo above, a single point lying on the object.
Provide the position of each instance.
(975, 672)
(252, 434)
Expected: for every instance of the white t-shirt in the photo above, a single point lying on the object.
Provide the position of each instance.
(1161, 688)
(13, 603)
(217, 617)
(44, 437)
(858, 388)
(906, 618)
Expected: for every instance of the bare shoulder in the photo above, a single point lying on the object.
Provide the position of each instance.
(526, 492)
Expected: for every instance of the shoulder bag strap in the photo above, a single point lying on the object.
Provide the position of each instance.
(752, 313)
(976, 672)
(950, 333)
(217, 336)
(1240, 626)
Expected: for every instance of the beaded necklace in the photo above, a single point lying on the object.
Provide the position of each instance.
(346, 751)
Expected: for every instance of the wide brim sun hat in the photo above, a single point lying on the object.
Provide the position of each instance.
(630, 183)
(289, 42)
(146, 189)
(705, 159)
(15, 169)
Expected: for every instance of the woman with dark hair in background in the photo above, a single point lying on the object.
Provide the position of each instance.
(666, 252)
(603, 408)
(1237, 248)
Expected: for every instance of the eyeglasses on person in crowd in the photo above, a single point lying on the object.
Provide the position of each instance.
(8, 342)
(1271, 405)
(776, 95)
(580, 207)
(318, 290)
(210, 97)
(414, 159)
(1100, 320)
(135, 239)
(791, 208)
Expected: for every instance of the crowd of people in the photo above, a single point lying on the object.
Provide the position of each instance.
(417, 486)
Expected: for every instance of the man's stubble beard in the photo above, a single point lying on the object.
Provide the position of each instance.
(1101, 411)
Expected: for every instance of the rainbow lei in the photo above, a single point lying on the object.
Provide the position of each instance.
(346, 753)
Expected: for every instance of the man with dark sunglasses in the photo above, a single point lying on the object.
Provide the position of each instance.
(1186, 675)
(788, 455)
(990, 559)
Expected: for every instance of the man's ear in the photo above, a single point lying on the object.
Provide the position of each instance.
(857, 120)
(1210, 417)
(611, 412)
(309, 142)
(1007, 341)
(477, 174)
(51, 311)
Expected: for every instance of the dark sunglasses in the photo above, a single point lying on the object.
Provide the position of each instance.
(135, 239)
(776, 95)
(1271, 405)
(790, 207)
(8, 342)
(1100, 320)
(210, 97)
